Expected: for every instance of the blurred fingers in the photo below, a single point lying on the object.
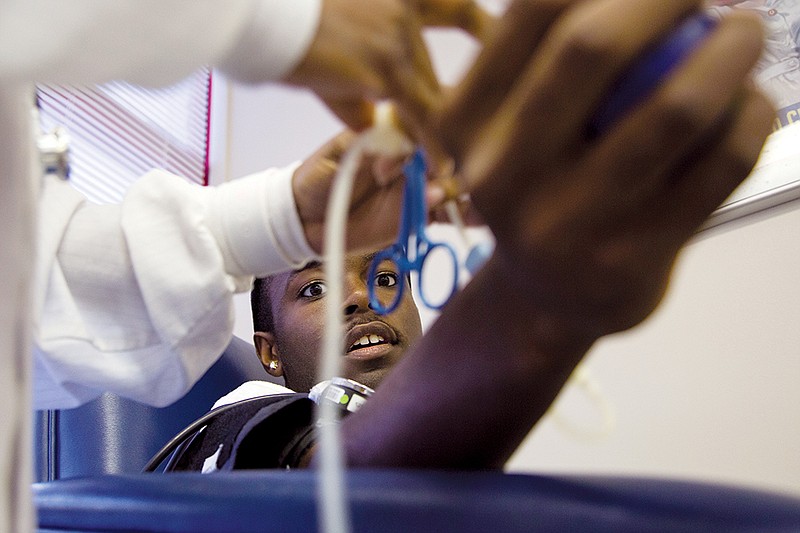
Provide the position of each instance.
(514, 39)
(711, 179)
(356, 113)
(386, 170)
(674, 125)
(464, 14)
(586, 52)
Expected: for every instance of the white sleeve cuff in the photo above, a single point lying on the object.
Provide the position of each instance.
(278, 35)
(256, 223)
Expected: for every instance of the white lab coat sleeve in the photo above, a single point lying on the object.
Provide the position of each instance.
(45, 40)
(139, 296)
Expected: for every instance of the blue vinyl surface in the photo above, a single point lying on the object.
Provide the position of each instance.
(400, 500)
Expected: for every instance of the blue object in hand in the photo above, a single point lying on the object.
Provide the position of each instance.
(412, 247)
(640, 81)
(477, 256)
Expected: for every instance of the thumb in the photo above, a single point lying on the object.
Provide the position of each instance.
(356, 113)
(464, 14)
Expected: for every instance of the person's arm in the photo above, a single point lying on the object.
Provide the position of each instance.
(350, 52)
(587, 230)
(152, 42)
(138, 296)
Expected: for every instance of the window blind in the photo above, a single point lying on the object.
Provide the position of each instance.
(119, 131)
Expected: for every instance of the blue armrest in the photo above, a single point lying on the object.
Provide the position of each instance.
(409, 501)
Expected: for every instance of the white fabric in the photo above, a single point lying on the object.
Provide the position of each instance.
(251, 210)
(152, 41)
(251, 389)
(139, 296)
(85, 41)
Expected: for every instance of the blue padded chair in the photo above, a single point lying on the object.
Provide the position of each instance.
(408, 501)
(89, 459)
(114, 435)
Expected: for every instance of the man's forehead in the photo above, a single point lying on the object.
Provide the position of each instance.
(289, 277)
(357, 261)
(311, 265)
(278, 284)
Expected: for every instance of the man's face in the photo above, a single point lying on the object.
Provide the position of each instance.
(373, 343)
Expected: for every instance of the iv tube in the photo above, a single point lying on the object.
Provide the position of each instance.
(382, 138)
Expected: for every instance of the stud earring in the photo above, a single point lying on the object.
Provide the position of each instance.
(273, 365)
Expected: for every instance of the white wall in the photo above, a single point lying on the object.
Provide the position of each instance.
(707, 387)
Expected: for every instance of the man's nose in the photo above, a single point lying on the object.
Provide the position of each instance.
(357, 299)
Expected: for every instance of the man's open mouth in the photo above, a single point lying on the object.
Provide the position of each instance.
(372, 337)
(367, 340)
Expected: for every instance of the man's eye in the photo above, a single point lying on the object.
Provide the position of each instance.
(313, 290)
(386, 279)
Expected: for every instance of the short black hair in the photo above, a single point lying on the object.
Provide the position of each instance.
(261, 305)
(261, 300)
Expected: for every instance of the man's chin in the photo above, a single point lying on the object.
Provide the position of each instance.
(371, 378)
(369, 365)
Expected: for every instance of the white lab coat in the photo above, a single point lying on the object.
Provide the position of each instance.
(84, 41)
(139, 296)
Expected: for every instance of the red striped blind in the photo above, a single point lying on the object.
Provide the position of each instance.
(120, 131)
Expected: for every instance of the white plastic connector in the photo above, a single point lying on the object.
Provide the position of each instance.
(385, 137)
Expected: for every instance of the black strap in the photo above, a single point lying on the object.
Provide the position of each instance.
(272, 432)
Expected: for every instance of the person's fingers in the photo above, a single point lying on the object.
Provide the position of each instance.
(464, 14)
(311, 180)
(414, 88)
(369, 50)
(415, 85)
(499, 64)
(412, 83)
(640, 246)
(374, 211)
(559, 59)
(675, 122)
(586, 51)
(356, 113)
(333, 150)
(386, 169)
(711, 179)
(538, 124)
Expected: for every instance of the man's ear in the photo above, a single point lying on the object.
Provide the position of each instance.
(267, 351)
